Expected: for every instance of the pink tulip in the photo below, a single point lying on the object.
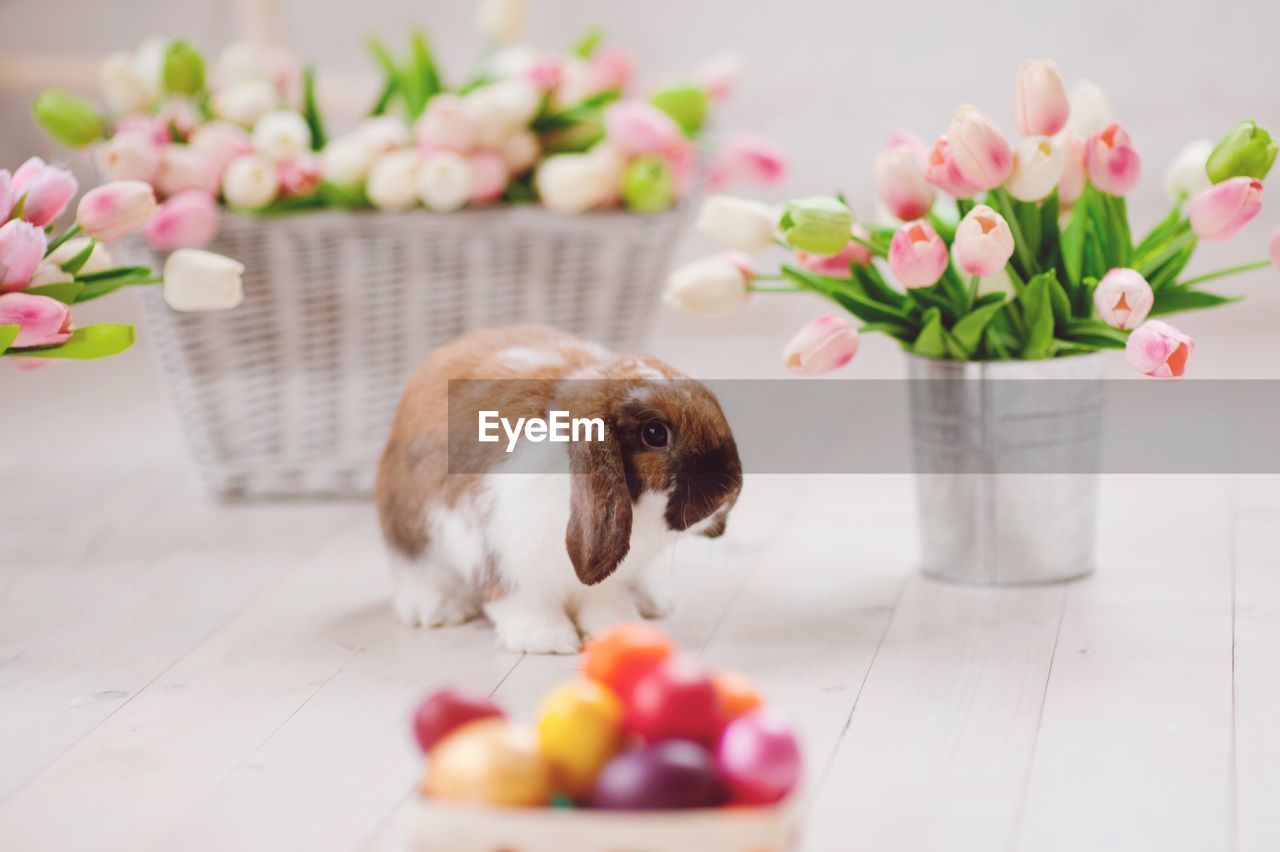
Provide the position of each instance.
(48, 190)
(7, 196)
(611, 69)
(183, 168)
(917, 255)
(1159, 350)
(114, 210)
(489, 177)
(1071, 184)
(983, 241)
(445, 125)
(299, 177)
(941, 171)
(900, 178)
(187, 220)
(1220, 211)
(749, 158)
(1111, 161)
(150, 127)
(178, 115)
(682, 159)
(823, 345)
(838, 265)
(719, 74)
(1040, 105)
(41, 321)
(1275, 248)
(221, 142)
(638, 127)
(544, 73)
(129, 155)
(982, 154)
(1123, 298)
(22, 247)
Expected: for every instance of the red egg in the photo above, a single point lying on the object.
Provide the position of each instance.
(677, 700)
(759, 758)
(664, 776)
(445, 710)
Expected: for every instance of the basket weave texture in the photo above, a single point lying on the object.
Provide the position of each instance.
(293, 392)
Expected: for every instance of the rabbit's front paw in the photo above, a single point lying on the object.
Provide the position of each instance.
(532, 627)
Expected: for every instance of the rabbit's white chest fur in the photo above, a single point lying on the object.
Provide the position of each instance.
(502, 551)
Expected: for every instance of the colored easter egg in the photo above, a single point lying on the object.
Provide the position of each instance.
(677, 700)
(737, 694)
(670, 775)
(579, 730)
(620, 656)
(445, 710)
(758, 758)
(489, 760)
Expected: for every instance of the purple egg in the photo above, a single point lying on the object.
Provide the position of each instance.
(758, 758)
(668, 775)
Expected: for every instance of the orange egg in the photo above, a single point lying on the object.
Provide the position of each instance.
(737, 694)
(622, 655)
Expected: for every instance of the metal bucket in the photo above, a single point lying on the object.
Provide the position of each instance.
(1007, 456)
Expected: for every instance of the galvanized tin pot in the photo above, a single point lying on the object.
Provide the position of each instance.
(1007, 457)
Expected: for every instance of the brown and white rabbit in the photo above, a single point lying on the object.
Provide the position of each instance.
(549, 556)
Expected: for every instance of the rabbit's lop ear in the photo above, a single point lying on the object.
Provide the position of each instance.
(599, 532)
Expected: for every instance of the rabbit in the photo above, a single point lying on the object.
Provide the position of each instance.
(548, 557)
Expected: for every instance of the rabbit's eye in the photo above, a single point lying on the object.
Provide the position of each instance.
(654, 435)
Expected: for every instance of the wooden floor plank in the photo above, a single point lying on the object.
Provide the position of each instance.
(1134, 750)
(1257, 685)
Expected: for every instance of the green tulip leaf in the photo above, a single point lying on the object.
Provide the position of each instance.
(932, 340)
(968, 332)
(1174, 299)
(1037, 311)
(92, 341)
(80, 258)
(8, 334)
(67, 292)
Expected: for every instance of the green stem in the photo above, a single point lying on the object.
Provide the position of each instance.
(876, 249)
(753, 288)
(1223, 273)
(1019, 242)
(973, 292)
(66, 235)
(1171, 250)
(769, 276)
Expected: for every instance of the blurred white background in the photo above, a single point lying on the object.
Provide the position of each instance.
(827, 79)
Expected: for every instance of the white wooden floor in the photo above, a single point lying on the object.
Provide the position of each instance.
(177, 674)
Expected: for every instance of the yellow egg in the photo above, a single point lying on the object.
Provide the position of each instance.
(489, 760)
(579, 731)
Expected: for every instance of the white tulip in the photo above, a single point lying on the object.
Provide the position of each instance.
(446, 123)
(345, 161)
(148, 63)
(1038, 164)
(577, 82)
(196, 280)
(250, 182)
(711, 287)
(1186, 176)
(393, 180)
(282, 135)
(383, 133)
(123, 88)
(1090, 109)
(520, 151)
(100, 259)
(245, 103)
(512, 60)
(129, 155)
(501, 20)
(497, 111)
(444, 181)
(574, 183)
(517, 101)
(49, 273)
(239, 63)
(221, 141)
(737, 223)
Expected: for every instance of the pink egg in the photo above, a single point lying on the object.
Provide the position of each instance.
(759, 758)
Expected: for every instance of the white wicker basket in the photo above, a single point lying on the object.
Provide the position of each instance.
(293, 392)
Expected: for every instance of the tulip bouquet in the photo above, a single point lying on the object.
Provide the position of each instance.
(1034, 259)
(42, 275)
(562, 128)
